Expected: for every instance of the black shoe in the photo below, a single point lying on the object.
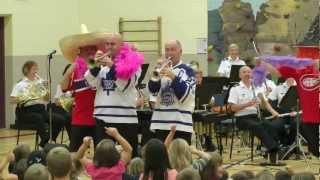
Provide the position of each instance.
(273, 160)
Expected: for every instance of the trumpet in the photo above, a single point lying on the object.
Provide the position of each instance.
(35, 90)
(156, 72)
(98, 57)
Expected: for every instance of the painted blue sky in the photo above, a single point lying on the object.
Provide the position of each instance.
(214, 4)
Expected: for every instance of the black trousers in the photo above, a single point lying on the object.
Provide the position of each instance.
(77, 135)
(311, 133)
(263, 130)
(37, 115)
(162, 135)
(127, 131)
(63, 119)
(286, 130)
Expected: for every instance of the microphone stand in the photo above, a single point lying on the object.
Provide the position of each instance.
(50, 57)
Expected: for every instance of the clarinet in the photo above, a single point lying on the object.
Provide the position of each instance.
(256, 98)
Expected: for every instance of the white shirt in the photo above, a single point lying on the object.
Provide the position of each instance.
(23, 85)
(279, 92)
(60, 93)
(242, 94)
(225, 66)
(270, 84)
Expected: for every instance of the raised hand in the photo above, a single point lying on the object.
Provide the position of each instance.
(113, 132)
(87, 140)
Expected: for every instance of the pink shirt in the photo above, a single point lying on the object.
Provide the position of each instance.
(172, 173)
(106, 173)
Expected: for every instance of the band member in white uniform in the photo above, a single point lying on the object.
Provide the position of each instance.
(243, 103)
(233, 59)
(175, 91)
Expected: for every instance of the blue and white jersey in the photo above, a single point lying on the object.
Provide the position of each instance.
(115, 100)
(175, 100)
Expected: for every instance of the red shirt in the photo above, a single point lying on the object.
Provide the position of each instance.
(106, 173)
(82, 112)
(308, 90)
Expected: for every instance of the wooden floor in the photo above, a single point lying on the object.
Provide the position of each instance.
(240, 159)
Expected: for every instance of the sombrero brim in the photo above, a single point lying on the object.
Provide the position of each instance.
(70, 45)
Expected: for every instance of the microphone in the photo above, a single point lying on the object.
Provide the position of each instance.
(52, 53)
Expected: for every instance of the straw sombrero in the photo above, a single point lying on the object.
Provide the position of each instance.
(70, 45)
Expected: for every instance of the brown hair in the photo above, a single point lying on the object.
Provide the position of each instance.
(106, 154)
(21, 151)
(188, 174)
(27, 66)
(59, 162)
(36, 171)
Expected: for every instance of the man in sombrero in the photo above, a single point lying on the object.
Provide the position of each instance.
(80, 49)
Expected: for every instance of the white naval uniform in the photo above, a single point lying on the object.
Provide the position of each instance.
(242, 94)
(175, 100)
(224, 69)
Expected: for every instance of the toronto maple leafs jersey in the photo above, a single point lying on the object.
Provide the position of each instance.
(175, 100)
(115, 100)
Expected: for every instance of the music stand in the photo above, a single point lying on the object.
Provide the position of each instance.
(234, 73)
(209, 87)
(291, 101)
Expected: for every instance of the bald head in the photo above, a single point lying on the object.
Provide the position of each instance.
(245, 73)
(173, 49)
(113, 43)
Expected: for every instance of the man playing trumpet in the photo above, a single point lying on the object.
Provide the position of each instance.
(115, 101)
(175, 91)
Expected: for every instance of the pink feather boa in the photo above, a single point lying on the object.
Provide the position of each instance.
(81, 67)
(128, 62)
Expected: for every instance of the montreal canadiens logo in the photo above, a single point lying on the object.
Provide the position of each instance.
(310, 82)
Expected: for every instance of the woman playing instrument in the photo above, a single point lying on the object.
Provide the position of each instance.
(31, 95)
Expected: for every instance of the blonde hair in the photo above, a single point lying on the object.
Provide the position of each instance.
(180, 155)
(135, 167)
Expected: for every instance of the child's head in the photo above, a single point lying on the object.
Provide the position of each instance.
(241, 175)
(135, 167)
(59, 162)
(265, 175)
(188, 174)
(283, 175)
(179, 154)
(36, 172)
(21, 151)
(213, 169)
(106, 154)
(303, 176)
(156, 159)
